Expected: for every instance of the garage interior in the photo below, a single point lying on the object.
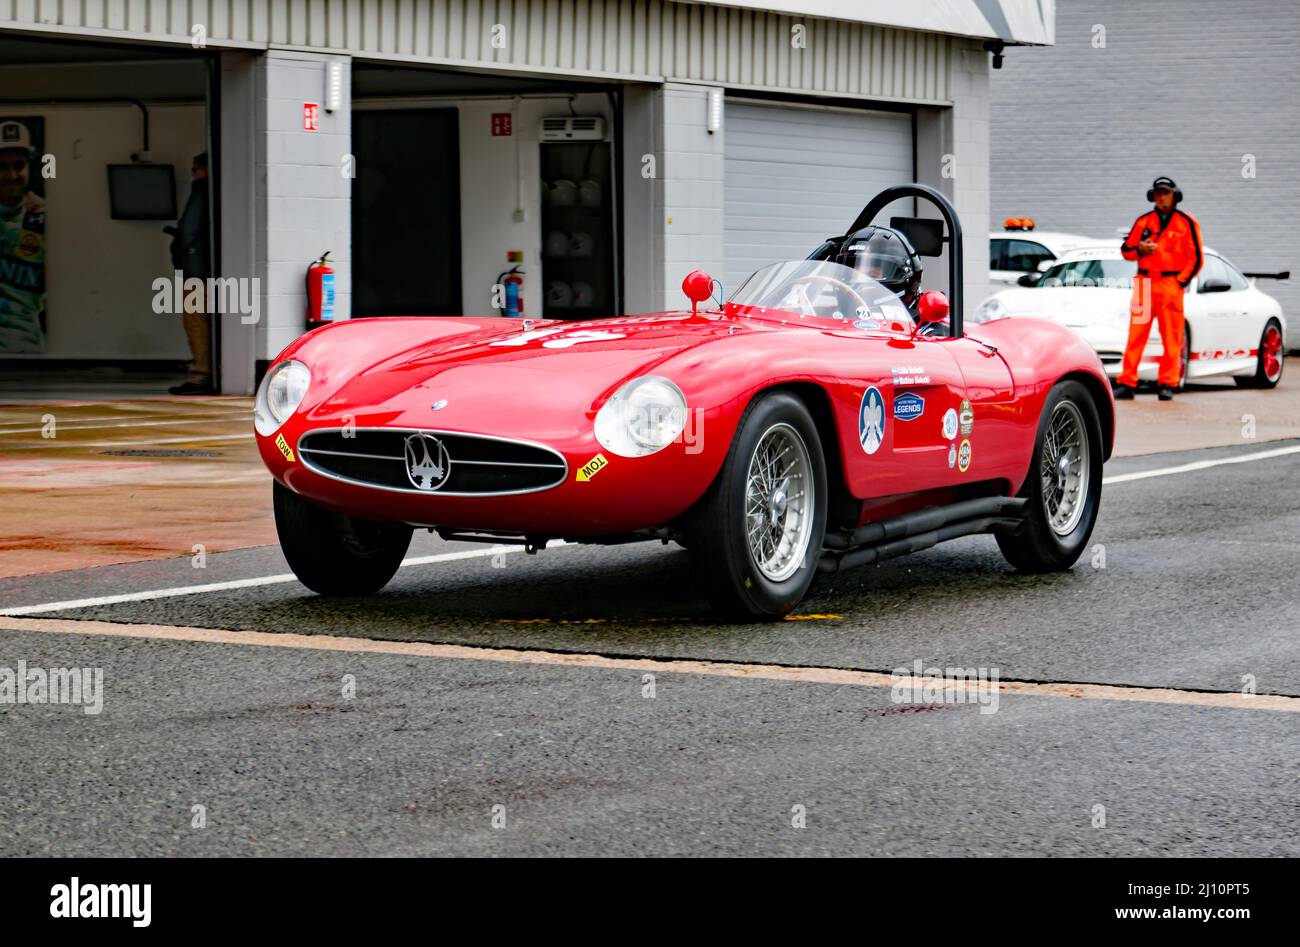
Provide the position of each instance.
(98, 102)
(463, 176)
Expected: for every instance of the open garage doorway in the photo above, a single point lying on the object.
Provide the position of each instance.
(107, 137)
(406, 213)
(462, 178)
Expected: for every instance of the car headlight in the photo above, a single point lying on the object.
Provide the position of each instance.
(992, 308)
(279, 395)
(645, 415)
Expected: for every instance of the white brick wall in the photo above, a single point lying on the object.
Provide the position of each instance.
(970, 149)
(688, 192)
(1182, 87)
(301, 192)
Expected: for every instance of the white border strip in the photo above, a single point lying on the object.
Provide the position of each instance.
(245, 583)
(496, 550)
(1201, 465)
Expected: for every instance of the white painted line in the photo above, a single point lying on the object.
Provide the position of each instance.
(1230, 700)
(495, 550)
(166, 422)
(144, 415)
(1202, 465)
(245, 583)
(196, 439)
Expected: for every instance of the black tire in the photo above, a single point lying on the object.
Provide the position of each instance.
(1036, 546)
(334, 554)
(1261, 377)
(718, 534)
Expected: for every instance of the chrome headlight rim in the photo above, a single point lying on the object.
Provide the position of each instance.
(290, 380)
(619, 428)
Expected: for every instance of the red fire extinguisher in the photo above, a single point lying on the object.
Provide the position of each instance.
(512, 281)
(320, 292)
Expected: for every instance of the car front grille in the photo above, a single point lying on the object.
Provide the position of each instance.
(472, 465)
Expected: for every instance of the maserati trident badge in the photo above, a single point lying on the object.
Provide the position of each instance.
(427, 463)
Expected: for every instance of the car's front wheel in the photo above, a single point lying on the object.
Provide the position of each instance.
(1063, 488)
(757, 534)
(1269, 360)
(335, 554)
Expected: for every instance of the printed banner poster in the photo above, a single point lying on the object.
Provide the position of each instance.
(22, 235)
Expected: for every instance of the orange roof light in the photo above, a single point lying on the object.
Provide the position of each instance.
(1018, 223)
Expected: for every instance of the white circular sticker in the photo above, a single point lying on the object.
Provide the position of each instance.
(952, 456)
(950, 424)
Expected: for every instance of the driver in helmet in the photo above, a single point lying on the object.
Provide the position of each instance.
(886, 256)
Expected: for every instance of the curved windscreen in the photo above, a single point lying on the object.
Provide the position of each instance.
(820, 288)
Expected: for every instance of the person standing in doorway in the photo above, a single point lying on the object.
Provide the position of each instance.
(22, 243)
(1166, 243)
(191, 255)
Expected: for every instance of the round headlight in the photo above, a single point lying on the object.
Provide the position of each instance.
(645, 415)
(992, 308)
(279, 395)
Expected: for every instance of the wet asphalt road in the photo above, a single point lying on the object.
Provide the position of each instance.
(1191, 584)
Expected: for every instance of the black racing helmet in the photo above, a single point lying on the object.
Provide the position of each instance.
(885, 255)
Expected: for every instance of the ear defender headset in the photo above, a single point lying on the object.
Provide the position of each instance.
(1165, 182)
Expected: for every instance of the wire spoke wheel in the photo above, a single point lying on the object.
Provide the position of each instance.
(1065, 468)
(779, 502)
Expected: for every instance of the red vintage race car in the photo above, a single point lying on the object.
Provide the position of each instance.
(812, 422)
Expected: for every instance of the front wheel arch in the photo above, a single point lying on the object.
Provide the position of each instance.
(843, 508)
(1104, 403)
(719, 529)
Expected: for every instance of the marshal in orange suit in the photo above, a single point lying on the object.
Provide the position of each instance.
(1166, 243)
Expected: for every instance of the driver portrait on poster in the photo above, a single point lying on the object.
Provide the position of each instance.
(22, 236)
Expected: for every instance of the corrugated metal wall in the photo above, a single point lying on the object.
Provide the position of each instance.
(653, 40)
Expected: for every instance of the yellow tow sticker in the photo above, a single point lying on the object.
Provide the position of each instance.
(285, 449)
(591, 468)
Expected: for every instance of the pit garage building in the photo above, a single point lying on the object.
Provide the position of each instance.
(607, 147)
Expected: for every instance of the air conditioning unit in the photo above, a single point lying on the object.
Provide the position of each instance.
(573, 128)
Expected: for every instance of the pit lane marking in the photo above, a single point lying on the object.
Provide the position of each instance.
(245, 583)
(728, 669)
(448, 557)
(1201, 465)
(220, 419)
(72, 444)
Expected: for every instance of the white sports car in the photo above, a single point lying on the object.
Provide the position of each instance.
(1232, 328)
(1021, 249)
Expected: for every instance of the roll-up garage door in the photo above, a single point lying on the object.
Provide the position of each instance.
(797, 175)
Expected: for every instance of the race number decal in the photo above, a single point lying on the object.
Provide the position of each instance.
(560, 338)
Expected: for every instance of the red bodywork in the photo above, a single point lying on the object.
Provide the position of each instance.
(546, 384)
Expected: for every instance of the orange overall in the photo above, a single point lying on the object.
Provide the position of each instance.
(1162, 277)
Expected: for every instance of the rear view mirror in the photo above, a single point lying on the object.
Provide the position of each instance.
(1029, 279)
(1215, 286)
(932, 307)
(923, 233)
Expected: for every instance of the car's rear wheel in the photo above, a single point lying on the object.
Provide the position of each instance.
(1063, 488)
(335, 554)
(757, 534)
(1270, 360)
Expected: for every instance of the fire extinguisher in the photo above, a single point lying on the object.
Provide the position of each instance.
(320, 292)
(513, 281)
